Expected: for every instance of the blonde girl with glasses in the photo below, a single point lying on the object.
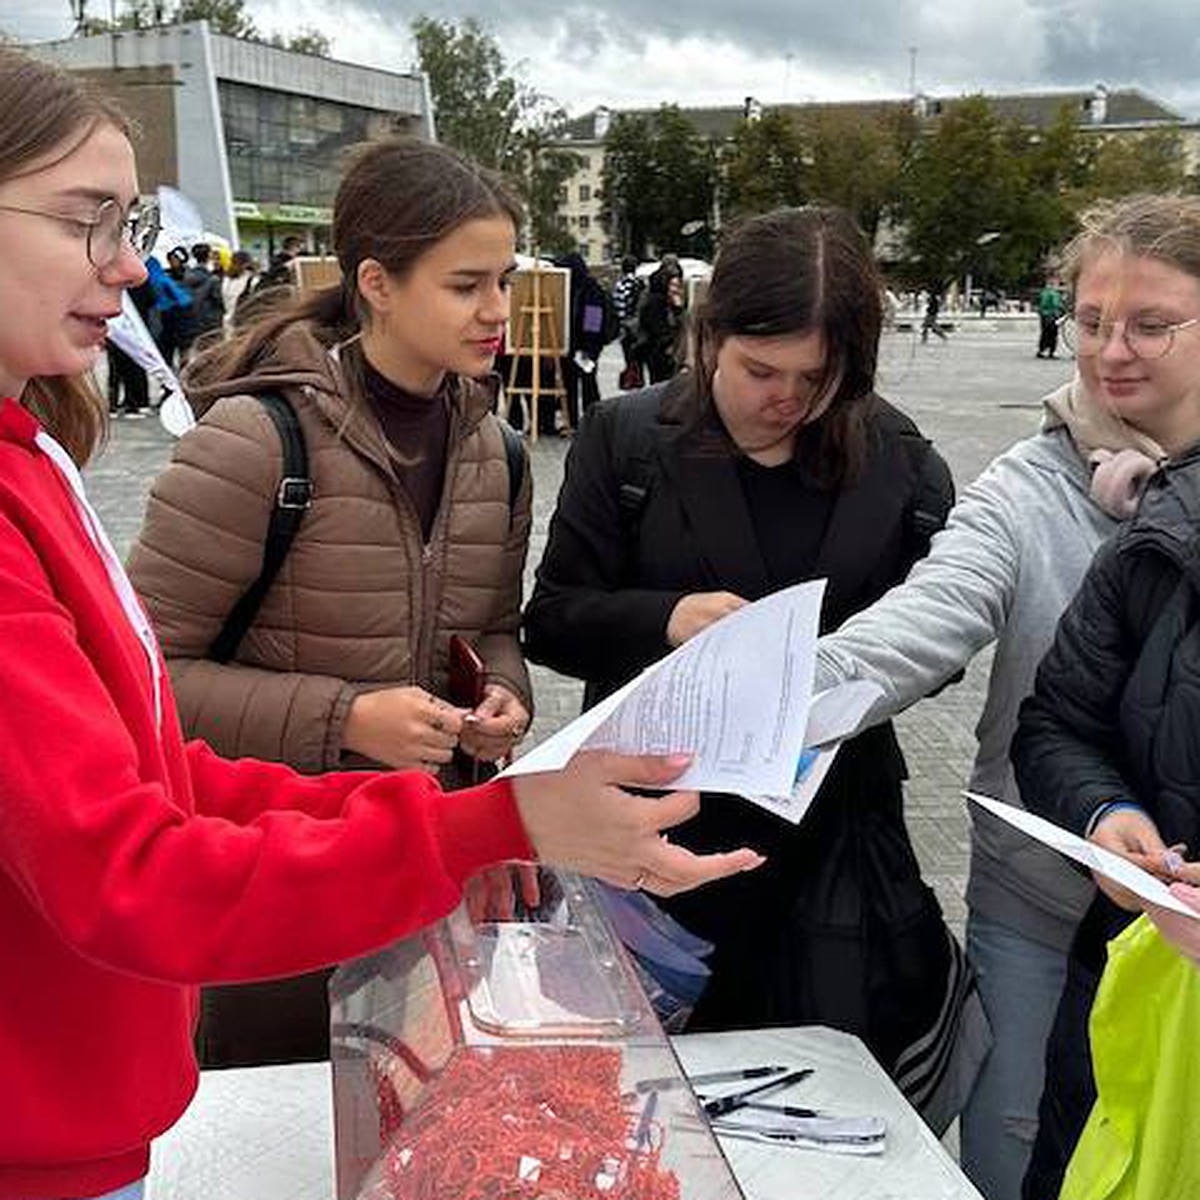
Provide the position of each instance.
(134, 865)
(1014, 550)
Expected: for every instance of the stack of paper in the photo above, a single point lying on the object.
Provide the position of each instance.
(737, 697)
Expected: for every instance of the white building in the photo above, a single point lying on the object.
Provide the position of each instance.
(252, 134)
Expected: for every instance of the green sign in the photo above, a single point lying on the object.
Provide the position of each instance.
(282, 214)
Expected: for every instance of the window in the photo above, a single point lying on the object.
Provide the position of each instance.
(585, 193)
(585, 222)
(288, 148)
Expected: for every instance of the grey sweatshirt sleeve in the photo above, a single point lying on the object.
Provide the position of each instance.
(954, 602)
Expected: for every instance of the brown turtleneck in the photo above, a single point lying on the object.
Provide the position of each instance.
(416, 428)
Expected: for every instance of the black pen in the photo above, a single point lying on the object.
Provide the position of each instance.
(735, 1075)
(724, 1104)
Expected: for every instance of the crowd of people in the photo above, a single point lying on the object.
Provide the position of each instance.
(255, 756)
(199, 296)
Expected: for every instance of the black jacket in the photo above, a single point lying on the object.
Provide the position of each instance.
(1115, 713)
(651, 510)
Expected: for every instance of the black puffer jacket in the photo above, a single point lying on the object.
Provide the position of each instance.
(1115, 714)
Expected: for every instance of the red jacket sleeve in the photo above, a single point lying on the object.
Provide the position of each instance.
(286, 874)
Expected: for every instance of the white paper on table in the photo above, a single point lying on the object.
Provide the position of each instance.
(736, 697)
(1111, 866)
(834, 715)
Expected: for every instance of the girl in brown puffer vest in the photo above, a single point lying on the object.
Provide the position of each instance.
(412, 536)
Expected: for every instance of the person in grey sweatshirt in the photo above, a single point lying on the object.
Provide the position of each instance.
(1001, 572)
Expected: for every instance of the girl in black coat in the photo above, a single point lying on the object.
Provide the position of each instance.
(771, 463)
(1109, 743)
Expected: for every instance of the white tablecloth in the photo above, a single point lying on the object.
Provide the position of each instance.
(265, 1133)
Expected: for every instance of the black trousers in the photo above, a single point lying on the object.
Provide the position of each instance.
(1048, 339)
(126, 377)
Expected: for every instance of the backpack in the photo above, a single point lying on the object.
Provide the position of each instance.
(294, 498)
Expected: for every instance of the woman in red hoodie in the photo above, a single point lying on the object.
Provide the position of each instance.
(133, 866)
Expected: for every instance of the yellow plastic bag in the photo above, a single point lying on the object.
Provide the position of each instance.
(1140, 1141)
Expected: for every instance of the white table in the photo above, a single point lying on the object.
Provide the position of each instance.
(266, 1133)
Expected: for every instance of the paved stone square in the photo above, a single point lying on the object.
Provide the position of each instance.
(974, 394)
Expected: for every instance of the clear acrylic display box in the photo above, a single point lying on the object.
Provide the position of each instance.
(512, 1057)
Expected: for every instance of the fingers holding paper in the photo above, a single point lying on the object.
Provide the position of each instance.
(582, 818)
(1132, 835)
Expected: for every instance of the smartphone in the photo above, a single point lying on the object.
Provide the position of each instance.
(467, 674)
(467, 678)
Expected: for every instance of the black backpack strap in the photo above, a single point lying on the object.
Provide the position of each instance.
(633, 457)
(514, 453)
(932, 498)
(291, 501)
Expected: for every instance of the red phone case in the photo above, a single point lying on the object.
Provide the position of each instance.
(467, 674)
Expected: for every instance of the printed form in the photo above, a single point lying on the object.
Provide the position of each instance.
(736, 697)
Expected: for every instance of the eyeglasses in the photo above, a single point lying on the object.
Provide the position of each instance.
(109, 229)
(1143, 337)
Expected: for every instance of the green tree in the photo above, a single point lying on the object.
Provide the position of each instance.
(764, 166)
(854, 162)
(1148, 162)
(541, 172)
(481, 109)
(959, 193)
(225, 16)
(477, 104)
(1054, 166)
(228, 17)
(307, 41)
(659, 178)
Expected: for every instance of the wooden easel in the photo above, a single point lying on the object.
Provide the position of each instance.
(535, 337)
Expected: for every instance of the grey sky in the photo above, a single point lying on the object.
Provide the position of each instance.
(716, 51)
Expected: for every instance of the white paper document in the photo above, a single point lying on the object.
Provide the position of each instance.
(835, 714)
(736, 697)
(1112, 866)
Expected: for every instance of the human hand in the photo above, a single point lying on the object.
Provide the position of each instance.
(1182, 932)
(496, 726)
(579, 818)
(697, 611)
(491, 895)
(403, 727)
(1132, 835)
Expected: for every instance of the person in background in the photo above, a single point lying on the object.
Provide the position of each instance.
(208, 307)
(1107, 744)
(182, 318)
(626, 293)
(593, 325)
(1050, 310)
(134, 865)
(278, 272)
(237, 284)
(771, 462)
(128, 383)
(933, 308)
(660, 321)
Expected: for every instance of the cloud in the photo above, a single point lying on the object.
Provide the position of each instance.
(627, 52)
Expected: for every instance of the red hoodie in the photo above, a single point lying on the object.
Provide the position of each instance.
(133, 867)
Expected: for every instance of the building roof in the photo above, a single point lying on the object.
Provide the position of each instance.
(1121, 107)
